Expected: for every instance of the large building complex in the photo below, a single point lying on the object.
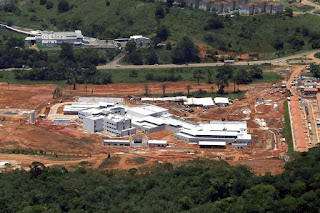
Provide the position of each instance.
(51, 38)
(122, 120)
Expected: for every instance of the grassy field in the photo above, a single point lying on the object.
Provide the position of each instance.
(8, 76)
(287, 130)
(123, 76)
(256, 34)
(186, 74)
(231, 95)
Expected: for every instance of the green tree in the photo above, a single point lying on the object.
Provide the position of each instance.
(131, 46)
(162, 33)
(185, 51)
(136, 58)
(224, 73)
(198, 74)
(289, 12)
(49, 5)
(169, 3)
(43, 2)
(152, 57)
(67, 53)
(159, 13)
(256, 71)
(188, 87)
(209, 74)
(133, 74)
(146, 89)
(164, 87)
(63, 6)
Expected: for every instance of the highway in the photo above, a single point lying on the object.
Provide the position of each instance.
(281, 61)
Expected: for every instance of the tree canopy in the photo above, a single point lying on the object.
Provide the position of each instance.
(200, 185)
(185, 51)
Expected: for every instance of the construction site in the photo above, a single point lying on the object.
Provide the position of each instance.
(34, 126)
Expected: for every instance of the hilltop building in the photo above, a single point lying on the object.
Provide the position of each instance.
(52, 39)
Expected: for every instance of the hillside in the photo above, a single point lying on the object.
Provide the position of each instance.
(276, 35)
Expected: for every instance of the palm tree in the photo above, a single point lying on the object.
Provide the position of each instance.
(164, 86)
(198, 75)
(212, 88)
(209, 72)
(188, 87)
(146, 89)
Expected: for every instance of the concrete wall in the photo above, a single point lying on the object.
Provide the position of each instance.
(93, 125)
(172, 129)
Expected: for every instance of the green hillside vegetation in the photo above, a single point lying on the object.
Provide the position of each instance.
(274, 34)
(195, 186)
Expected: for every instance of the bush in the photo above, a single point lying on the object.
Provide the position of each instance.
(133, 74)
(149, 77)
(107, 3)
(63, 6)
(43, 2)
(49, 5)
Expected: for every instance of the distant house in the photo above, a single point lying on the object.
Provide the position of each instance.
(141, 40)
(51, 38)
(248, 9)
(277, 8)
(261, 7)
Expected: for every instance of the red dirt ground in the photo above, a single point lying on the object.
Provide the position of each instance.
(16, 132)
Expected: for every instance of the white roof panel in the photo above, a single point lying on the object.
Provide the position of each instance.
(221, 100)
(212, 143)
(157, 142)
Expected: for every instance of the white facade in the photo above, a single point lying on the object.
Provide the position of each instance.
(87, 113)
(93, 124)
(140, 40)
(61, 121)
(118, 125)
(157, 143)
(221, 101)
(113, 142)
(203, 102)
(52, 38)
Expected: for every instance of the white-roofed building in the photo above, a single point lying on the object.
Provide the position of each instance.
(231, 126)
(51, 38)
(140, 40)
(203, 102)
(213, 144)
(61, 121)
(115, 142)
(88, 112)
(147, 110)
(221, 101)
(157, 143)
(228, 132)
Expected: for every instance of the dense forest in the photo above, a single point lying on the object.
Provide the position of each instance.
(195, 186)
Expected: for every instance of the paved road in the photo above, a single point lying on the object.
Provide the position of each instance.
(310, 3)
(280, 61)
